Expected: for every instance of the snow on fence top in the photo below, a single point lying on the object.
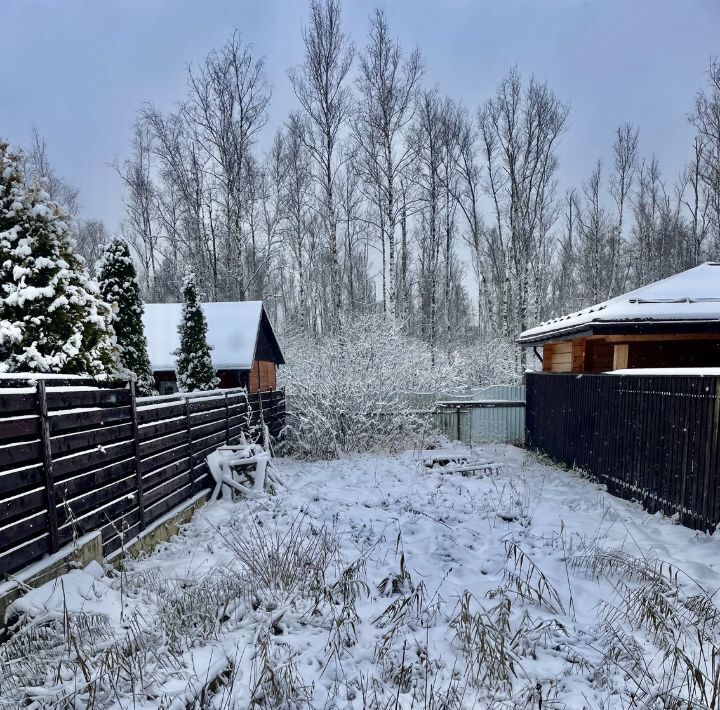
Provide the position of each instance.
(692, 295)
(232, 333)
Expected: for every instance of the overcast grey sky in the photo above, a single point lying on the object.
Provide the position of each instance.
(80, 69)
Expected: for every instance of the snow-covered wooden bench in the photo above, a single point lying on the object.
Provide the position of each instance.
(449, 461)
(472, 468)
(443, 457)
(246, 468)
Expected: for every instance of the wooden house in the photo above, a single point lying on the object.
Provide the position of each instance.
(673, 323)
(245, 351)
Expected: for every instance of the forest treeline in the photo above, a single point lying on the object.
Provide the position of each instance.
(382, 194)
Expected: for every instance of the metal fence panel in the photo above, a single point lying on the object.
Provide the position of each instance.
(650, 438)
(480, 415)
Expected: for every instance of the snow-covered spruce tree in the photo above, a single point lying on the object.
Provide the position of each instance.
(120, 290)
(51, 316)
(194, 366)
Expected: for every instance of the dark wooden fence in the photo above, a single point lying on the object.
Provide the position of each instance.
(650, 438)
(76, 460)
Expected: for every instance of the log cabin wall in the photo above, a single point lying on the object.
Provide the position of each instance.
(262, 376)
(596, 354)
(557, 357)
(565, 356)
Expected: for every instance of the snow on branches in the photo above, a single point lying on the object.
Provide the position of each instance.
(352, 390)
(194, 365)
(51, 316)
(119, 288)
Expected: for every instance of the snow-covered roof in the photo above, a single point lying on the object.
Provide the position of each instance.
(692, 296)
(233, 328)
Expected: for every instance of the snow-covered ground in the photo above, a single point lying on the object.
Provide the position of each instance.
(371, 583)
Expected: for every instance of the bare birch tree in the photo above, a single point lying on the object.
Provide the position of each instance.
(706, 119)
(321, 88)
(39, 170)
(388, 84)
(596, 243)
(139, 225)
(427, 142)
(299, 224)
(697, 202)
(521, 128)
(621, 183)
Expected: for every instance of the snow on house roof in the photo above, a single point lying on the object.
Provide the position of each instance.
(232, 331)
(687, 297)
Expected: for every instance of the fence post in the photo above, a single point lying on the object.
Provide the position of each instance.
(261, 407)
(138, 459)
(190, 445)
(227, 420)
(271, 414)
(458, 423)
(49, 479)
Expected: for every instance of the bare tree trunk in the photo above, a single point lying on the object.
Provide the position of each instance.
(388, 86)
(319, 84)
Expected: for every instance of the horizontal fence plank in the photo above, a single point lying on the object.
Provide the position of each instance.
(162, 428)
(88, 398)
(11, 430)
(66, 444)
(22, 530)
(164, 473)
(156, 413)
(164, 458)
(29, 552)
(13, 455)
(16, 480)
(166, 504)
(83, 512)
(91, 480)
(21, 505)
(67, 421)
(214, 440)
(203, 405)
(92, 459)
(17, 403)
(200, 432)
(150, 448)
(167, 488)
(201, 418)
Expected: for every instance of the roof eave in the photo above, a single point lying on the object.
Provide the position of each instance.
(265, 318)
(624, 327)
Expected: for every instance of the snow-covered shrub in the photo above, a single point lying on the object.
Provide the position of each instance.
(51, 316)
(490, 360)
(120, 289)
(352, 390)
(195, 370)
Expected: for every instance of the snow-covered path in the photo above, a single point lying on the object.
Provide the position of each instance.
(369, 582)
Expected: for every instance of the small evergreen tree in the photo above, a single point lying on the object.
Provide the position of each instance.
(194, 366)
(51, 316)
(120, 289)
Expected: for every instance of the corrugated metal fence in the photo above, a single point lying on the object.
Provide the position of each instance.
(480, 416)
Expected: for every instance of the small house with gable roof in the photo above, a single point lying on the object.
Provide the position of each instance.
(245, 351)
